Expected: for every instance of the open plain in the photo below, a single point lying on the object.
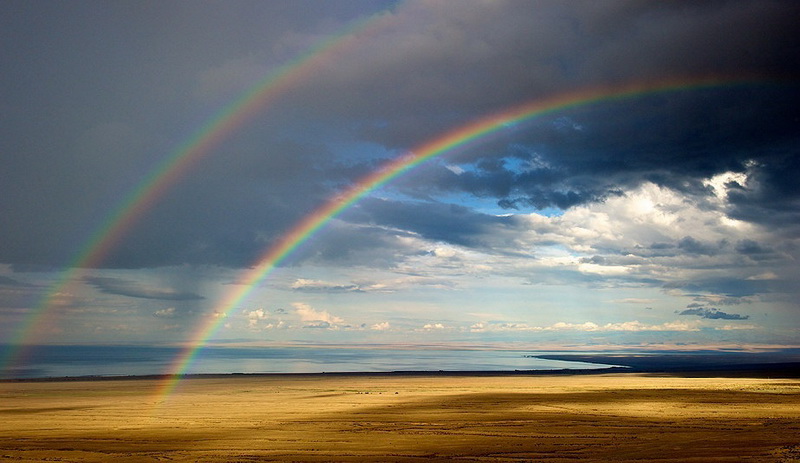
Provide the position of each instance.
(390, 417)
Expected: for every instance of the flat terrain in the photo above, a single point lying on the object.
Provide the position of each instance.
(610, 417)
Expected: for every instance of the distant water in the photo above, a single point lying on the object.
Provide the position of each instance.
(63, 361)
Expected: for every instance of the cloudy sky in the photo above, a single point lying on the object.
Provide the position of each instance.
(661, 219)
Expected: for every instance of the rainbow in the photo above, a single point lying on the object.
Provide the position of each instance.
(175, 166)
(459, 137)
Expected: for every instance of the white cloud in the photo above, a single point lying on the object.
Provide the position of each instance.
(434, 327)
(383, 326)
(317, 317)
(634, 325)
(405, 283)
(641, 217)
(649, 235)
(258, 314)
(610, 270)
(638, 326)
(481, 327)
(587, 326)
(276, 325)
(633, 300)
(737, 327)
(262, 319)
(254, 316)
(719, 183)
(763, 276)
(165, 313)
(478, 327)
(454, 169)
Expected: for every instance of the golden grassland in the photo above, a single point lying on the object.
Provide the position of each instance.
(609, 417)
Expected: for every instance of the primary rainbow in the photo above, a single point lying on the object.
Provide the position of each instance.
(451, 140)
(176, 165)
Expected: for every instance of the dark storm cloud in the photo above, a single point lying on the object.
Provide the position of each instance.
(712, 314)
(496, 54)
(774, 196)
(133, 289)
(675, 140)
(451, 223)
(96, 95)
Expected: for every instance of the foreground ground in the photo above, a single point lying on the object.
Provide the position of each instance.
(615, 417)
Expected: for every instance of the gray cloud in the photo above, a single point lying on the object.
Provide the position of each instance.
(712, 314)
(6, 281)
(313, 286)
(165, 313)
(319, 325)
(692, 246)
(732, 287)
(355, 245)
(452, 223)
(133, 289)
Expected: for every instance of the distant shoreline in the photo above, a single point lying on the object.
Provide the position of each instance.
(772, 370)
(428, 373)
(691, 364)
(784, 364)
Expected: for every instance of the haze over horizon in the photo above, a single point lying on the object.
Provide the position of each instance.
(659, 220)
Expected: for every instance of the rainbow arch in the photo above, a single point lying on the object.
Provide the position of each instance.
(180, 161)
(459, 137)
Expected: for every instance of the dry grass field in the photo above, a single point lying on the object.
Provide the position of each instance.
(614, 417)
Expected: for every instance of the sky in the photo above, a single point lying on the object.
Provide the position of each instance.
(658, 220)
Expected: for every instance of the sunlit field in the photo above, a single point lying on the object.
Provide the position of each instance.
(610, 417)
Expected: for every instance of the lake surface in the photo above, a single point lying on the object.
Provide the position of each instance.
(63, 361)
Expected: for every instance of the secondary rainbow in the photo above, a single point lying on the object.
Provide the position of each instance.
(459, 137)
(178, 163)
